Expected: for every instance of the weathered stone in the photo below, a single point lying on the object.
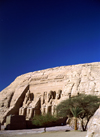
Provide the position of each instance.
(94, 125)
(40, 92)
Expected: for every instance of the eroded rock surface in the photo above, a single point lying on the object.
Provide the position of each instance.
(94, 125)
(40, 91)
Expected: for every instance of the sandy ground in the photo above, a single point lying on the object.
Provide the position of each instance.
(60, 131)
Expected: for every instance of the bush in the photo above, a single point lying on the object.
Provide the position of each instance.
(43, 120)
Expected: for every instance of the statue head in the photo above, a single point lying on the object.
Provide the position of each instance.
(58, 95)
(50, 95)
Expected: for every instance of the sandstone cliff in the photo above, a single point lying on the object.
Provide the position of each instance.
(40, 91)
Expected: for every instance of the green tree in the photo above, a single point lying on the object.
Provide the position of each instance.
(76, 112)
(80, 106)
(43, 120)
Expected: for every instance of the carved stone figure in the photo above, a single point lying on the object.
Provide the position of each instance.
(26, 102)
(33, 108)
(45, 97)
(47, 104)
(50, 96)
(53, 110)
(27, 99)
(29, 113)
(58, 95)
(29, 106)
(43, 109)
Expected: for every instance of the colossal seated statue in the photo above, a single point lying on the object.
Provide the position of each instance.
(33, 108)
(26, 102)
(47, 105)
(43, 104)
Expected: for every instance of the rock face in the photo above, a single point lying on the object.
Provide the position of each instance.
(94, 125)
(40, 91)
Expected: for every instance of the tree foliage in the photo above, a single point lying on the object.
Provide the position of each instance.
(76, 111)
(80, 106)
(43, 120)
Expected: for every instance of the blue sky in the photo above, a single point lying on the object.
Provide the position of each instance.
(40, 34)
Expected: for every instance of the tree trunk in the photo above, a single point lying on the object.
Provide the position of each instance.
(86, 124)
(75, 120)
(84, 127)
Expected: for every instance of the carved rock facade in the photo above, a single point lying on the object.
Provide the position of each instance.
(40, 92)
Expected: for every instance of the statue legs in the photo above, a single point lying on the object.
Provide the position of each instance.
(53, 110)
(43, 109)
(22, 111)
(30, 113)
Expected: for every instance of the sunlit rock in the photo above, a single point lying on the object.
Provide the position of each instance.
(40, 92)
(94, 125)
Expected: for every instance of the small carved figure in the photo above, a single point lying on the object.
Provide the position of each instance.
(58, 95)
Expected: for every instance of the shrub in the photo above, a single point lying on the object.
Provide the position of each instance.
(43, 120)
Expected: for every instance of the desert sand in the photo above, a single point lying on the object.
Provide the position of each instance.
(59, 131)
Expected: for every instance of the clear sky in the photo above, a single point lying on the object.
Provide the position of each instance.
(40, 34)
